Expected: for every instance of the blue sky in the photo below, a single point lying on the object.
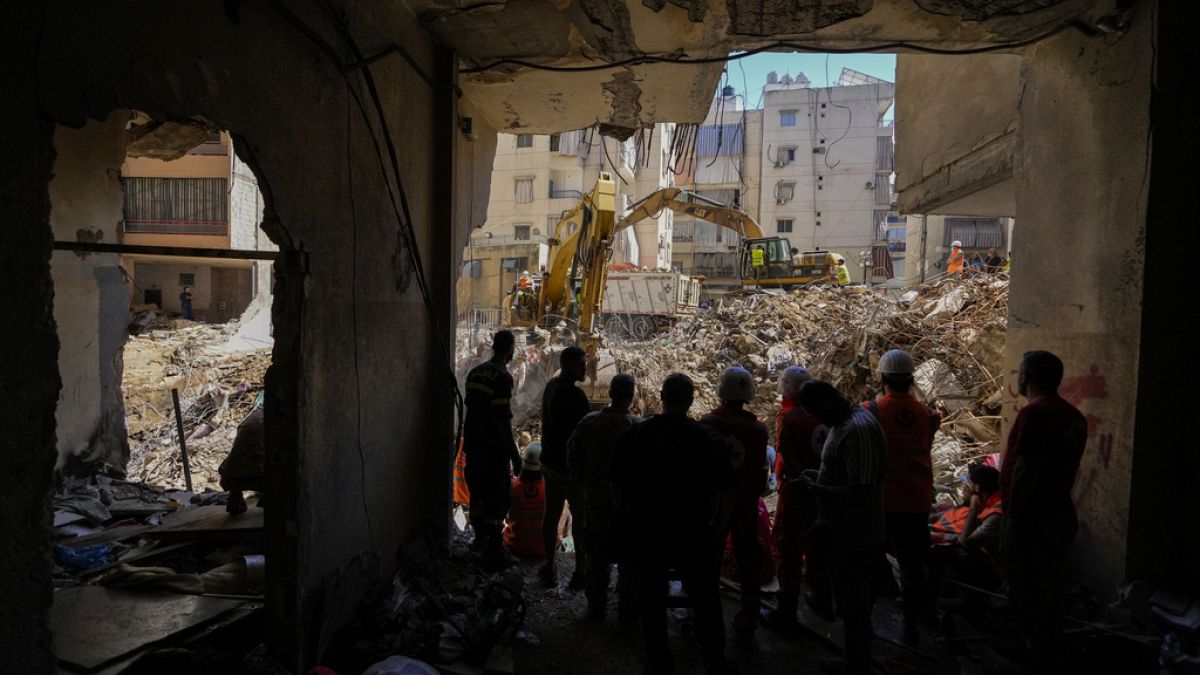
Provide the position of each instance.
(748, 75)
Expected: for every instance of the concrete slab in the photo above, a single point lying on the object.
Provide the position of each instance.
(93, 626)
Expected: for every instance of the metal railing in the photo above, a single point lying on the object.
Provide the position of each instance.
(566, 194)
(507, 240)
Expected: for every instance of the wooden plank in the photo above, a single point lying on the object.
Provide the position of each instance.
(210, 520)
(109, 535)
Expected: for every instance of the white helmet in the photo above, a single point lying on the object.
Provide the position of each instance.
(792, 379)
(737, 384)
(896, 362)
(957, 244)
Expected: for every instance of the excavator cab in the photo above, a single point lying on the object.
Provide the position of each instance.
(780, 268)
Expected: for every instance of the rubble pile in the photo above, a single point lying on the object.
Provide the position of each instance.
(954, 329)
(441, 608)
(217, 389)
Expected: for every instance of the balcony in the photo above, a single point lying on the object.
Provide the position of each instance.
(574, 195)
(506, 240)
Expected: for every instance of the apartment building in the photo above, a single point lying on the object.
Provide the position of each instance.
(535, 179)
(724, 168)
(826, 164)
(206, 199)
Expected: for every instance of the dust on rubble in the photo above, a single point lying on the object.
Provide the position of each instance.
(955, 330)
(217, 389)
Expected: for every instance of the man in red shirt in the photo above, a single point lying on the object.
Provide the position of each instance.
(799, 438)
(1045, 446)
(909, 426)
(748, 438)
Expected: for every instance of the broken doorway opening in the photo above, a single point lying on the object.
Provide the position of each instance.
(179, 354)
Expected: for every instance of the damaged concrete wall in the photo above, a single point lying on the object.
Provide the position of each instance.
(91, 302)
(1082, 193)
(352, 450)
(956, 128)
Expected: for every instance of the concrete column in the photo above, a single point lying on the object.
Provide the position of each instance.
(1077, 288)
(29, 382)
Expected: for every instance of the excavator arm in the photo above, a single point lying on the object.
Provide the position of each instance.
(582, 251)
(697, 206)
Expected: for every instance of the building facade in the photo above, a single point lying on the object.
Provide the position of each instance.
(535, 179)
(205, 199)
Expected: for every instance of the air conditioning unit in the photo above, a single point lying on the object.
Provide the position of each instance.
(869, 185)
(779, 164)
(537, 231)
(780, 200)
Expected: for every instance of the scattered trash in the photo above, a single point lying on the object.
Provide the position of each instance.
(401, 665)
(84, 558)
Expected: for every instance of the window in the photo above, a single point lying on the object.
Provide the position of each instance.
(472, 269)
(555, 142)
(974, 232)
(176, 205)
(784, 192)
(783, 225)
(787, 155)
(517, 265)
(787, 118)
(524, 140)
(523, 188)
(187, 279)
(521, 232)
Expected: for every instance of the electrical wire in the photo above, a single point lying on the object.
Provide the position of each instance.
(362, 458)
(782, 46)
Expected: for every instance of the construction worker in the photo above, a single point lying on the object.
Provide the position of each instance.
(185, 303)
(590, 457)
(850, 521)
(994, 263)
(954, 263)
(243, 468)
(909, 426)
(462, 494)
(798, 437)
(747, 439)
(966, 538)
(841, 273)
(526, 282)
(523, 528)
(489, 448)
(671, 524)
(563, 406)
(758, 260)
(1045, 445)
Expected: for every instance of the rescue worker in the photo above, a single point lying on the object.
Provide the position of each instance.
(671, 524)
(746, 438)
(994, 263)
(1045, 445)
(954, 263)
(841, 274)
(758, 260)
(909, 426)
(563, 406)
(243, 468)
(966, 538)
(489, 448)
(462, 494)
(798, 437)
(526, 282)
(590, 452)
(850, 521)
(523, 528)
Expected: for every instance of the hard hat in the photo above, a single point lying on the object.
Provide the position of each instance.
(792, 379)
(531, 460)
(957, 244)
(737, 384)
(896, 362)
(525, 273)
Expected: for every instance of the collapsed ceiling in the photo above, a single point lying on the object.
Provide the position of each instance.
(518, 55)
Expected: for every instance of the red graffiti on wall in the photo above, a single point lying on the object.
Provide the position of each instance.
(1076, 389)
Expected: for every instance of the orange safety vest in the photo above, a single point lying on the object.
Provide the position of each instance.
(523, 527)
(955, 263)
(954, 520)
(909, 426)
(462, 495)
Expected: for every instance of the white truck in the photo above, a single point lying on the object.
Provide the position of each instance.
(639, 304)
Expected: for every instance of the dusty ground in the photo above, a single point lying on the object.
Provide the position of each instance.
(566, 642)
